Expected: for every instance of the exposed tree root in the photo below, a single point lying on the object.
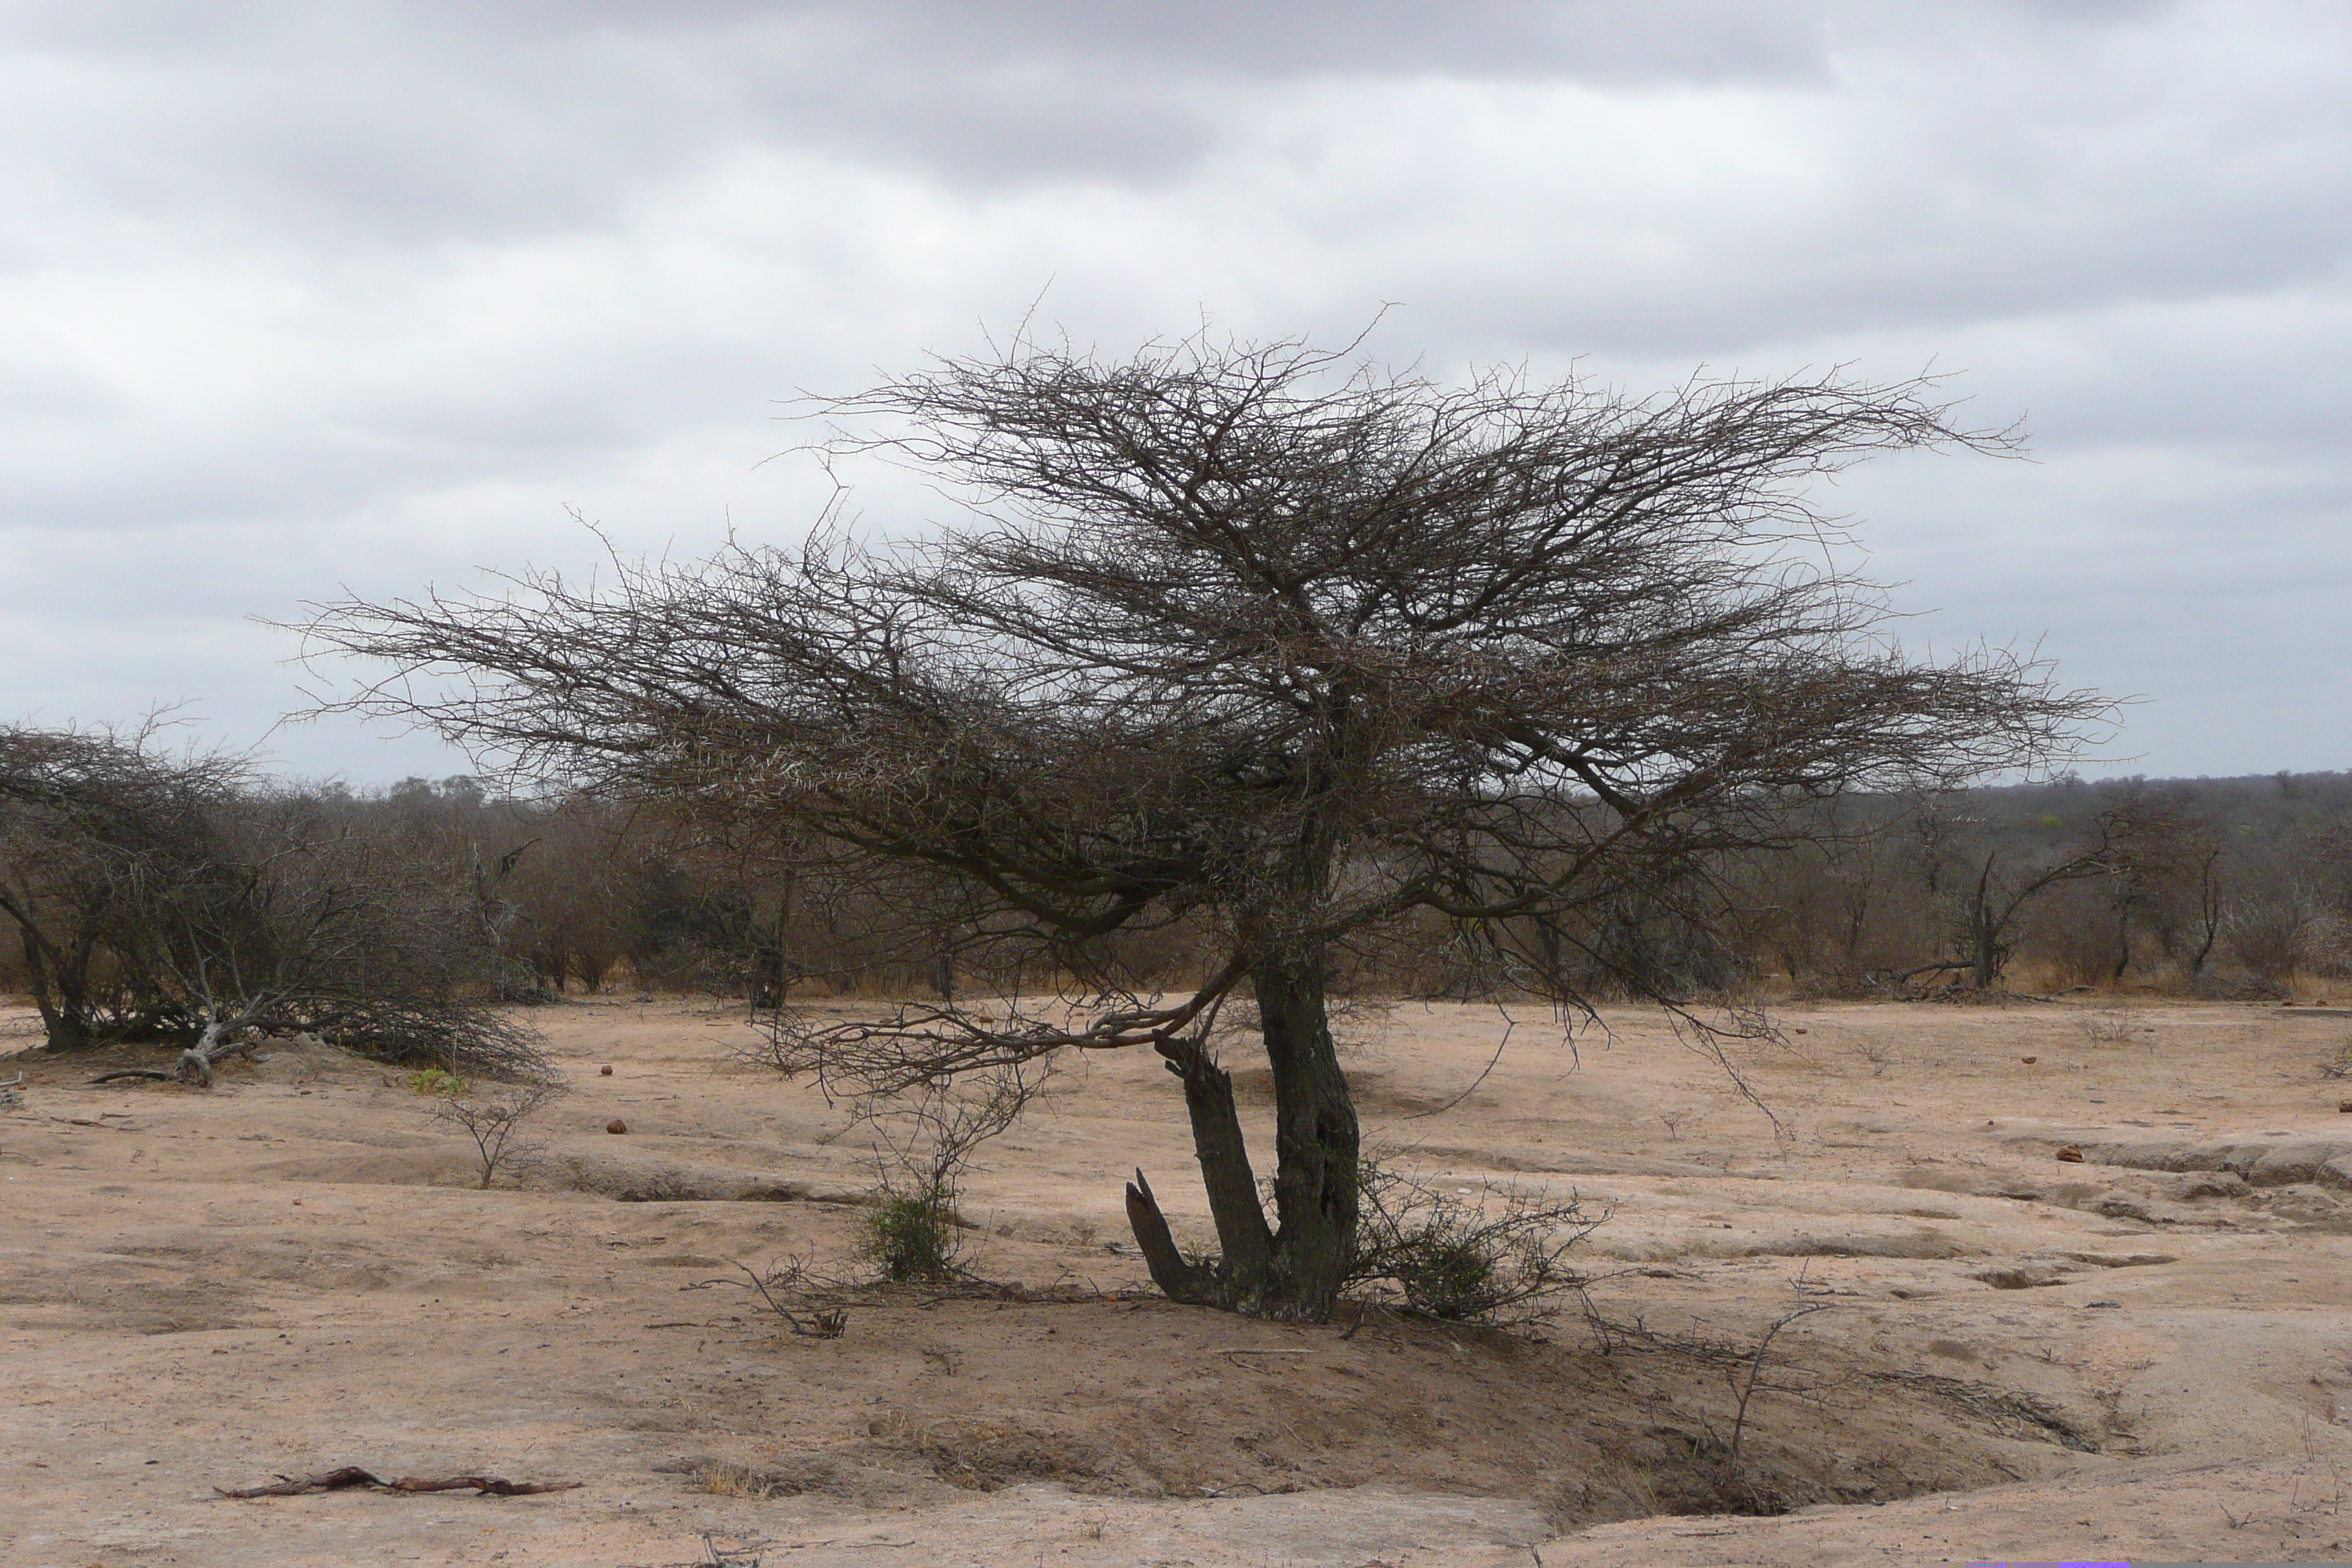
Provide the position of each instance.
(352, 1476)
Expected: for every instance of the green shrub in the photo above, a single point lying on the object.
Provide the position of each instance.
(911, 1235)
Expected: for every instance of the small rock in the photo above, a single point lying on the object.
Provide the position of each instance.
(2344, 1106)
(2069, 1155)
(617, 1125)
(603, 1072)
(2028, 1061)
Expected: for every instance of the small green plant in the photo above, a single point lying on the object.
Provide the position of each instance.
(433, 1080)
(922, 1147)
(912, 1235)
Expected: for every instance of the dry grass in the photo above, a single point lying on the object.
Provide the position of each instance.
(2118, 1025)
(982, 1454)
(738, 1480)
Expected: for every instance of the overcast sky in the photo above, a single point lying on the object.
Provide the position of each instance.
(295, 297)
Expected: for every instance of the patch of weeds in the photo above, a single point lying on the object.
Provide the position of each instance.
(740, 1481)
(2111, 1026)
(433, 1080)
(912, 1235)
(985, 1456)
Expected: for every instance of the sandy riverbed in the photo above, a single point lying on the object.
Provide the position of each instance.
(2145, 1353)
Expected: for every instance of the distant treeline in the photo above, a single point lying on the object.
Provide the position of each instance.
(2225, 888)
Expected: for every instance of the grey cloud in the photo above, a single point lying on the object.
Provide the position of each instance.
(417, 123)
(305, 293)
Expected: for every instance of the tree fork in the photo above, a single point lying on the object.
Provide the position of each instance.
(1178, 1280)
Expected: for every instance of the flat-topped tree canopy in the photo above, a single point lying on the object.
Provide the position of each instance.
(1290, 648)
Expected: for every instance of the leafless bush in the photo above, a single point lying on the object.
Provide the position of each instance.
(1497, 1256)
(2111, 1026)
(493, 1119)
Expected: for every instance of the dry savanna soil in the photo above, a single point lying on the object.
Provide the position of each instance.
(2146, 1350)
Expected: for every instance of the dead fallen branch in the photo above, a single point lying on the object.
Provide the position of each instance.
(148, 1073)
(781, 1287)
(350, 1476)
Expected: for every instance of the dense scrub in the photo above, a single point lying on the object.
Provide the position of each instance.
(2216, 886)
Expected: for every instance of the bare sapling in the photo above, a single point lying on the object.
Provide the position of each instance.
(924, 1142)
(1745, 1375)
(493, 1119)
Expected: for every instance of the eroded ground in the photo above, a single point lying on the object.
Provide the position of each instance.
(2148, 1352)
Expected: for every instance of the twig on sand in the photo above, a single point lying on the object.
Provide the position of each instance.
(350, 1476)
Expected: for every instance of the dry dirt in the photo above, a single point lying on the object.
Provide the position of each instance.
(2146, 1353)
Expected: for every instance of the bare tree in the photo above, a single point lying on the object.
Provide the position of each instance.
(91, 823)
(493, 1118)
(2127, 846)
(1292, 653)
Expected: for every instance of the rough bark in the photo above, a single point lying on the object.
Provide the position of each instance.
(1245, 1242)
(1295, 1271)
(1316, 1141)
(1985, 932)
(1178, 1280)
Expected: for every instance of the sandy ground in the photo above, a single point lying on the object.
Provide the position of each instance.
(2148, 1352)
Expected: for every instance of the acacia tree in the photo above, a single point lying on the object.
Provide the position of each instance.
(1239, 637)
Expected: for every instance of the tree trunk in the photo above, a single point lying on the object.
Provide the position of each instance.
(1245, 1244)
(2209, 912)
(1985, 932)
(63, 1028)
(1316, 1141)
(1179, 1280)
(1296, 1272)
(196, 1065)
